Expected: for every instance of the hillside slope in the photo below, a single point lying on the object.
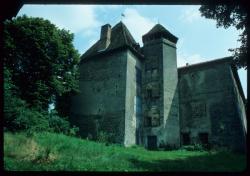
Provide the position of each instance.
(57, 152)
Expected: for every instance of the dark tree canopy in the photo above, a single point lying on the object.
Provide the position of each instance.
(41, 58)
(231, 15)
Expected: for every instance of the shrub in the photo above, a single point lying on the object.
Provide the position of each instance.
(137, 147)
(74, 131)
(17, 114)
(166, 147)
(105, 137)
(58, 124)
(195, 147)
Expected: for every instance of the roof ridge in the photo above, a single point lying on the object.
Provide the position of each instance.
(120, 36)
(223, 59)
(123, 33)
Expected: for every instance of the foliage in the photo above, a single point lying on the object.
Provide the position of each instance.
(61, 125)
(62, 107)
(195, 147)
(104, 137)
(74, 131)
(40, 66)
(57, 152)
(42, 60)
(166, 147)
(230, 15)
(17, 116)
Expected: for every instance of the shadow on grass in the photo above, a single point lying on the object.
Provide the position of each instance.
(218, 162)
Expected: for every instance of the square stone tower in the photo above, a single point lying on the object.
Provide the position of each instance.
(160, 89)
(110, 80)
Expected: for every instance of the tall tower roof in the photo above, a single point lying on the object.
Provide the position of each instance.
(120, 37)
(159, 31)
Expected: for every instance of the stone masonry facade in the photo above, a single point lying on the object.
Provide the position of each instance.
(137, 95)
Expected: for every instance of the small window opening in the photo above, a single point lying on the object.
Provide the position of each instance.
(185, 139)
(148, 121)
(203, 138)
(149, 93)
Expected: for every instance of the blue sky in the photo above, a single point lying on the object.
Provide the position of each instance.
(199, 39)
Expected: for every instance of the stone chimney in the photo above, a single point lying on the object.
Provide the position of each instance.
(105, 37)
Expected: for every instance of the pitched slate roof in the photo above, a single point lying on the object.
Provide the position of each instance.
(159, 30)
(120, 37)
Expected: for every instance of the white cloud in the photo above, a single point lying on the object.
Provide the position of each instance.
(137, 24)
(76, 18)
(180, 43)
(184, 58)
(108, 7)
(195, 58)
(190, 15)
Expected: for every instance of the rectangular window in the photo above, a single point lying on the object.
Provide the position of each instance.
(152, 142)
(154, 101)
(148, 121)
(155, 92)
(138, 75)
(138, 109)
(203, 138)
(185, 139)
(155, 121)
(198, 109)
(149, 93)
(154, 74)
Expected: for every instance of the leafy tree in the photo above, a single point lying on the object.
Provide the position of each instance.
(17, 115)
(42, 60)
(228, 15)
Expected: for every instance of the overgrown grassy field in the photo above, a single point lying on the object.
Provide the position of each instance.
(57, 152)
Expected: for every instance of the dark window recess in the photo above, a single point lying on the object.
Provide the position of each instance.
(149, 93)
(138, 75)
(155, 121)
(148, 122)
(116, 89)
(137, 136)
(185, 139)
(138, 90)
(155, 93)
(152, 142)
(203, 138)
(154, 101)
(138, 108)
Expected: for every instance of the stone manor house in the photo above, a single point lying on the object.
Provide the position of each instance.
(139, 96)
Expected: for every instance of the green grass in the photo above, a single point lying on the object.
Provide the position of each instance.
(57, 152)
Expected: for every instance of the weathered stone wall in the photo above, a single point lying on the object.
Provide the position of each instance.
(152, 91)
(240, 142)
(208, 105)
(170, 94)
(160, 94)
(102, 99)
(132, 120)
